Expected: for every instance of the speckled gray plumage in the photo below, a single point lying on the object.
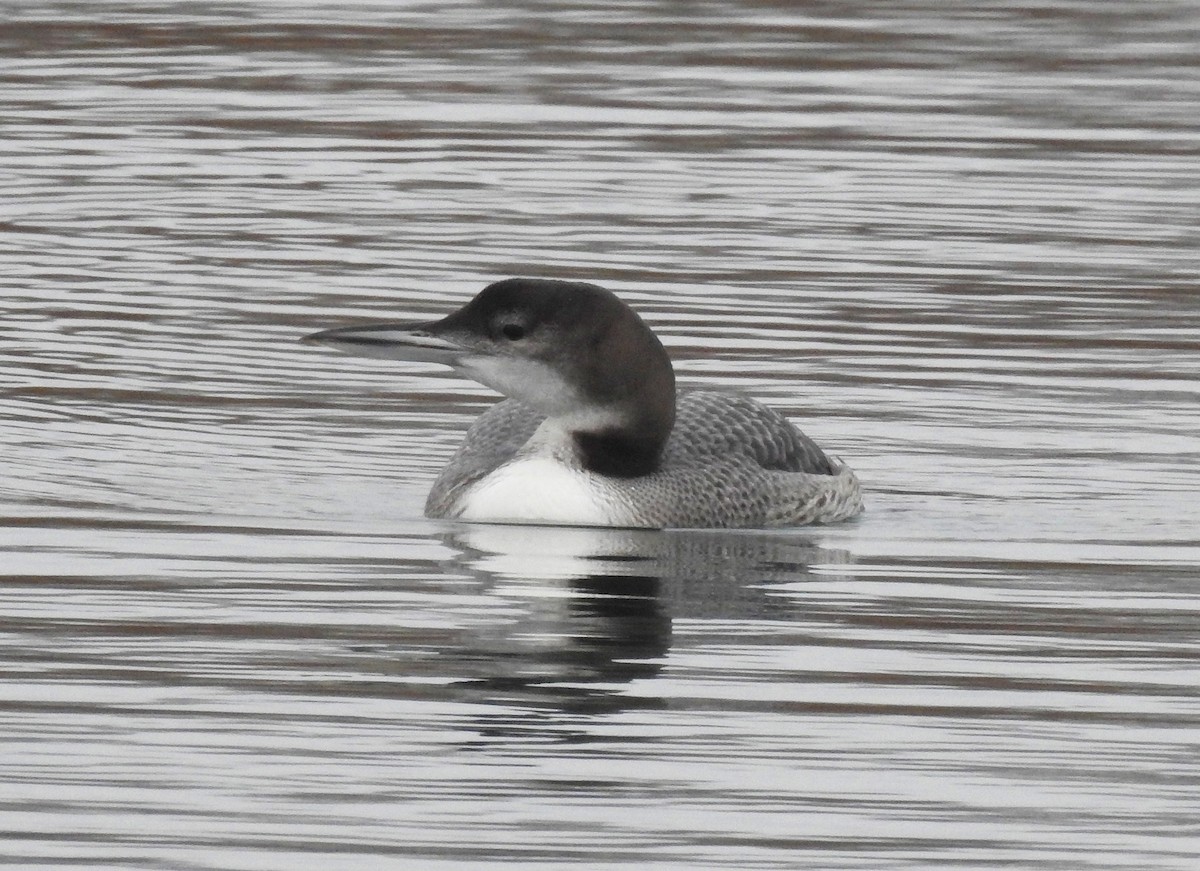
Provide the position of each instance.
(729, 462)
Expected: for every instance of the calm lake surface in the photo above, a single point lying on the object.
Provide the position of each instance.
(957, 243)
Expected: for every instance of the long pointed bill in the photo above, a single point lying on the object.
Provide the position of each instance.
(391, 342)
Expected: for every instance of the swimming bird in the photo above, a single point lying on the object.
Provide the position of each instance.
(593, 431)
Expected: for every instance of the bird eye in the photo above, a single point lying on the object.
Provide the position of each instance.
(512, 331)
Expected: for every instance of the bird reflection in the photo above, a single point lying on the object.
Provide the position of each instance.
(598, 607)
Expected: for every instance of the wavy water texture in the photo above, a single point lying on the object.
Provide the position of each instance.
(956, 243)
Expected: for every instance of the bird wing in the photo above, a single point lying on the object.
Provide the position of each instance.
(716, 424)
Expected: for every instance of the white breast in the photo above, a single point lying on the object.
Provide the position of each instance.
(539, 490)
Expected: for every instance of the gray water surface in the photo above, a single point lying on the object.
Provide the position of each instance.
(957, 243)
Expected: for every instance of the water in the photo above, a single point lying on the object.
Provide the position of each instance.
(958, 245)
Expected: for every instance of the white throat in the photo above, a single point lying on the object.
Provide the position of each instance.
(543, 389)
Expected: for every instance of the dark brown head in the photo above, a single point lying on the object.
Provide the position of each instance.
(572, 351)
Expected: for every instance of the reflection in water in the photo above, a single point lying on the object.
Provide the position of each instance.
(376, 683)
(602, 601)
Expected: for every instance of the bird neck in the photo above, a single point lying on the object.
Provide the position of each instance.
(618, 453)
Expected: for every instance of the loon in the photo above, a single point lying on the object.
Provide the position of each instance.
(593, 432)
